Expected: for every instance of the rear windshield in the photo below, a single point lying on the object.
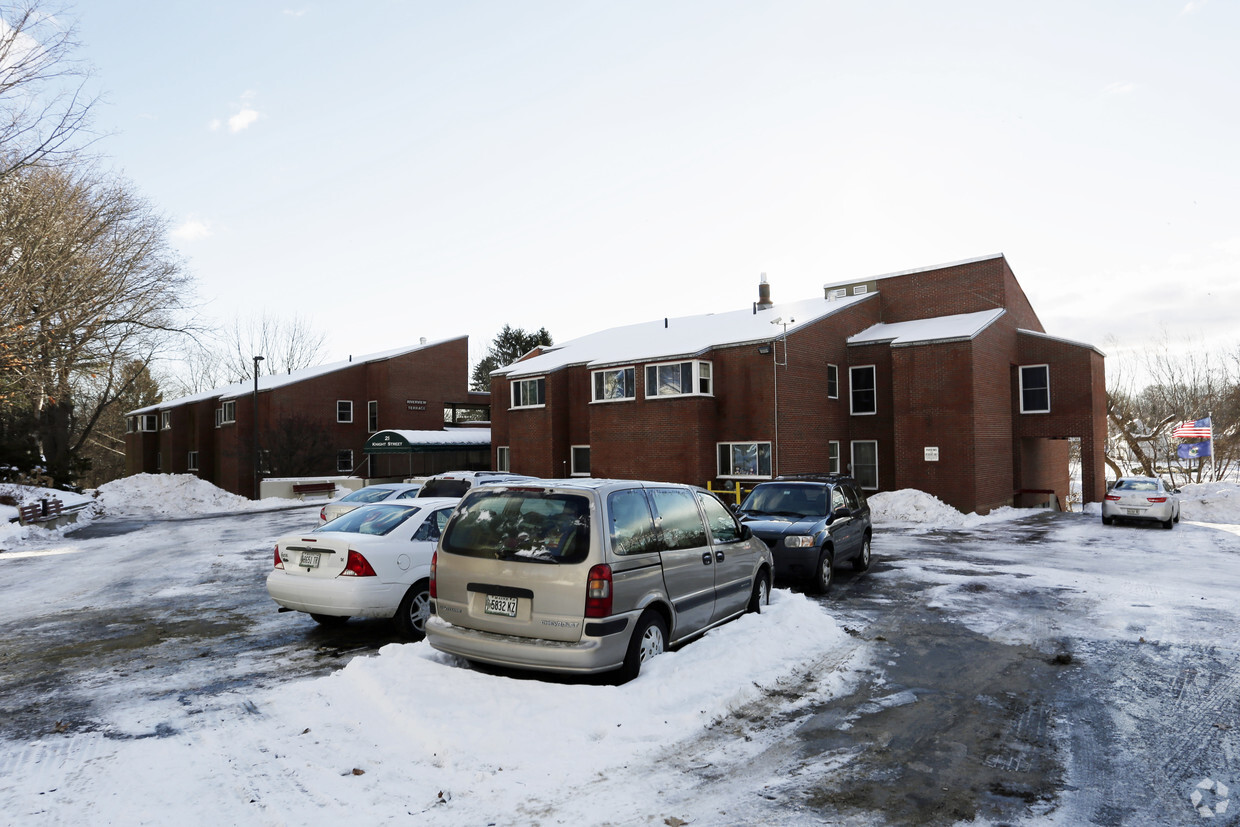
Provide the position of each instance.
(521, 525)
(444, 488)
(370, 519)
(367, 495)
(1136, 485)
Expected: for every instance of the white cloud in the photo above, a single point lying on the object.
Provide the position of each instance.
(242, 119)
(192, 229)
(1119, 88)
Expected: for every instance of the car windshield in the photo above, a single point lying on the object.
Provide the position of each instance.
(521, 525)
(367, 495)
(789, 500)
(372, 519)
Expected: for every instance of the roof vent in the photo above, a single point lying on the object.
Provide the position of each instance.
(764, 295)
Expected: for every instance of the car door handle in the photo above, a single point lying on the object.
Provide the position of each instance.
(706, 558)
(718, 556)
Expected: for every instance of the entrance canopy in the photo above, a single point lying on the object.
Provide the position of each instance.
(423, 442)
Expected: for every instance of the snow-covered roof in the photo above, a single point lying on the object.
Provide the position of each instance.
(679, 337)
(1059, 339)
(279, 380)
(960, 327)
(931, 268)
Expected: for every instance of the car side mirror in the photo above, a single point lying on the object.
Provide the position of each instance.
(841, 512)
(746, 531)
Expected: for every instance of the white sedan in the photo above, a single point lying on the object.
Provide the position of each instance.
(381, 492)
(1141, 498)
(374, 561)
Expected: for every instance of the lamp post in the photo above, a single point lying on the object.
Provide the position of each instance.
(254, 424)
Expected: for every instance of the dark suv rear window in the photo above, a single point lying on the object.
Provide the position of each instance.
(521, 525)
(444, 488)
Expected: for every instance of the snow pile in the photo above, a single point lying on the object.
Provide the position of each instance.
(1211, 502)
(11, 533)
(908, 505)
(149, 495)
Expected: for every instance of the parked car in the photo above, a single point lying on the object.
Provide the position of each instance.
(380, 492)
(374, 561)
(589, 576)
(456, 483)
(812, 523)
(1141, 498)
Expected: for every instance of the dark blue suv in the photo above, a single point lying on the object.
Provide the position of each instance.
(812, 523)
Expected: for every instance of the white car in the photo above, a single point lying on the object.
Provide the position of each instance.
(1141, 498)
(374, 561)
(382, 492)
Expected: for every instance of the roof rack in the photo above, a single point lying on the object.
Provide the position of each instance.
(814, 477)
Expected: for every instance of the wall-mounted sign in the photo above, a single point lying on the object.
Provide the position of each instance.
(415, 404)
(932, 454)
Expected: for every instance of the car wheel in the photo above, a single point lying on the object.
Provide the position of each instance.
(648, 641)
(329, 620)
(761, 593)
(862, 561)
(824, 574)
(1106, 520)
(1167, 524)
(415, 608)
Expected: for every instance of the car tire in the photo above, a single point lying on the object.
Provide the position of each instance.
(1168, 524)
(761, 593)
(1107, 520)
(862, 561)
(414, 609)
(649, 640)
(825, 573)
(329, 620)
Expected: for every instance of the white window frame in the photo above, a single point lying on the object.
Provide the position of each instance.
(572, 455)
(852, 465)
(131, 424)
(503, 458)
(147, 423)
(517, 393)
(227, 412)
(191, 461)
(833, 456)
(165, 420)
(219, 417)
(838, 293)
(702, 371)
(630, 389)
(852, 394)
(729, 472)
(372, 416)
(340, 403)
(1021, 377)
(345, 454)
(833, 369)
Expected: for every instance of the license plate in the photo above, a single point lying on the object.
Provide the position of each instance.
(497, 605)
(1132, 511)
(310, 559)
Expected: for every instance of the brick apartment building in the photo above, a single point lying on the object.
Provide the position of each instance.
(212, 434)
(940, 379)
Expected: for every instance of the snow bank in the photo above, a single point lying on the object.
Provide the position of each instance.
(150, 495)
(1211, 502)
(908, 505)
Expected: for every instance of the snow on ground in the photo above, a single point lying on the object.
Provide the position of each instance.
(149, 495)
(909, 506)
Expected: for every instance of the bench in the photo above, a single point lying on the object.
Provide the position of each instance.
(43, 511)
(301, 489)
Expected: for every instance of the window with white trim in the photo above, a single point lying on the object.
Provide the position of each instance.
(1035, 389)
(191, 462)
(860, 290)
(746, 460)
(580, 460)
(147, 422)
(344, 461)
(833, 382)
(372, 416)
(865, 463)
(131, 424)
(612, 384)
(529, 393)
(679, 379)
(833, 457)
(503, 458)
(165, 420)
(344, 410)
(863, 390)
(226, 413)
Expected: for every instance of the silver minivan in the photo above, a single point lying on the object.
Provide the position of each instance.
(589, 576)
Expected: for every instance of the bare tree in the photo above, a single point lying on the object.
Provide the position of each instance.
(45, 107)
(286, 344)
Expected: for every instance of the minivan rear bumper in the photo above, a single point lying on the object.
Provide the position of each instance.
(585, 656)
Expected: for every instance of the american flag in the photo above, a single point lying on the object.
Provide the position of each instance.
(1192, 429)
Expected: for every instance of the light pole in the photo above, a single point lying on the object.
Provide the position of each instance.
(254, 424)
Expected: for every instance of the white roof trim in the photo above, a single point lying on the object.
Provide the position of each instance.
(1059, 339)
(931, 268)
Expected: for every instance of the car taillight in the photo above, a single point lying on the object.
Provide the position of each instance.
(357, 566)
(434, 565)
(323, 513)
(598, 591)
(1157, 499)
(279, 562)
(1113, 497)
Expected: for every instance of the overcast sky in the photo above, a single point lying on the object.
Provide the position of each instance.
(393, 170)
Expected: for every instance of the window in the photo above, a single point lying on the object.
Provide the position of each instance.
(529, 393)
(833, 382)
(344, 460)
(219, 417)
(226, 413)
(862, 387)
(865, 463)
(165, 419)
(581, 460)
(1035, 389)
(860, 290)
(191, 463)
(833, 457)
(632, 527)
(503, 462)
(744, 459)
(613, 384)
(838, 293)
(719, 520)
(681, 523)
(372, 416)
(344, 410)
(679, 379)
(146, 422)
(131, 424)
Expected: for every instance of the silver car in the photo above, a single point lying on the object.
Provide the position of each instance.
(1141, 498)
(590, 576)
(381, 492)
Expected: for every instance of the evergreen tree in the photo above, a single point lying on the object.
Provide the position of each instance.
(509, 345)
